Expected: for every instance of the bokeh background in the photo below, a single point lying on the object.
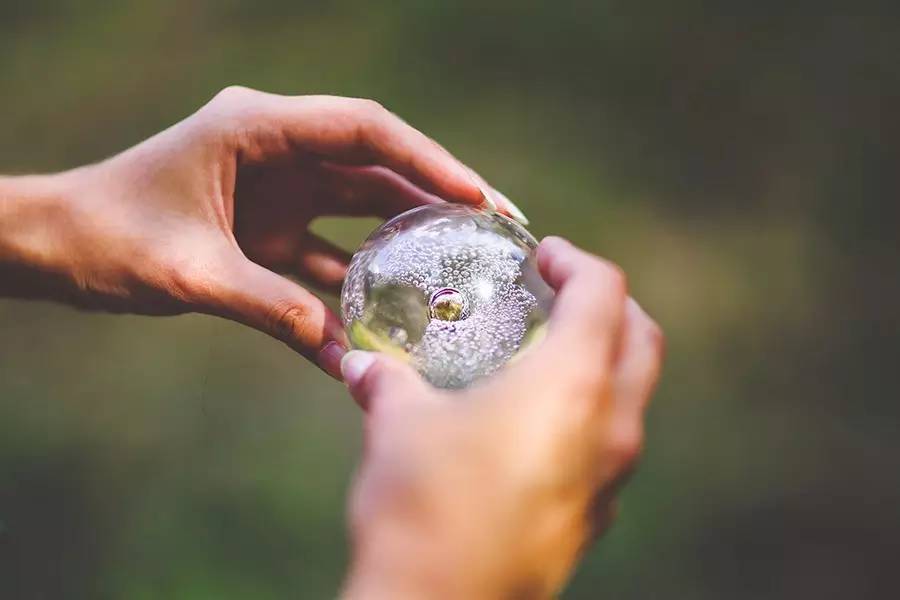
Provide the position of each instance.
(736, 158)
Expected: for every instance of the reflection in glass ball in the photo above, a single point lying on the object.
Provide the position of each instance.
(453, 290)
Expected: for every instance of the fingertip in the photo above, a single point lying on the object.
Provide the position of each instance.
(548, 255)
(551, 248)
(552, 243)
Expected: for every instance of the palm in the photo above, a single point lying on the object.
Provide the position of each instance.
(275, 204)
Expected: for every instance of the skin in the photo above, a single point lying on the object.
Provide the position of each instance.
(209, 214)
(493, 492)
(496, 491)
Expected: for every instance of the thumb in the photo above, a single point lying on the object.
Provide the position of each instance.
(253, 295)
(381, 384)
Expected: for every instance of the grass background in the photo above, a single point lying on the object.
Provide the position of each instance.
(737, 159)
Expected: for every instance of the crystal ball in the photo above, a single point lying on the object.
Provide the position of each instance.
(453, 290)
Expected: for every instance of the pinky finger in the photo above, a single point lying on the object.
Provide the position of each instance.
(635, 374)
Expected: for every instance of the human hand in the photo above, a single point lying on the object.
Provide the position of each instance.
(495, 491)
(206, 215)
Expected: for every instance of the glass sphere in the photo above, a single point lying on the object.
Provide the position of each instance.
(451, 289)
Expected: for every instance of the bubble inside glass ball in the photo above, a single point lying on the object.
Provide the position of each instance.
(448, 304)
(451, 289)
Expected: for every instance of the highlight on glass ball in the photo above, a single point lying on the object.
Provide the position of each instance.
(453, 290)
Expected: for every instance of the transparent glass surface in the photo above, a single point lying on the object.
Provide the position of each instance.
(451, 289)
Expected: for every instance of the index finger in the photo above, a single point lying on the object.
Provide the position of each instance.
(345, 130)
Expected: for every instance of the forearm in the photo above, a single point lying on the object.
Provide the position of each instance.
(33, 236)
(399, 563)
(395, 567)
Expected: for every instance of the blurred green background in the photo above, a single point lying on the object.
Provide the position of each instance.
(736, 158)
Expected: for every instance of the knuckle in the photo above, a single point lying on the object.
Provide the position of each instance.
(374, 119)
(233, 95)
(605, 275)
(364, 110)
(369, 117)
(183, 277)
(602, 290)
(288, 321)
(614, 278)
(624, 446)
(657, 339)
(187, 283)
(650, 333)
(226, 112)
(371, 108)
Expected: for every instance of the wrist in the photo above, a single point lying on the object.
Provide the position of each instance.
(397, 562)
(34, 211)
(393, 568)
(389, 563)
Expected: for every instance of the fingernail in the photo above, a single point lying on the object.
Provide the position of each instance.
(486, 197)
(489, 201)
(354, 365)
(514, 211)
(329, 359)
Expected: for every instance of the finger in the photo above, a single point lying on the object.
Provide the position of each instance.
(586, 320)
(381, 385)
(636, 373)
(370, 191)
(604, 510)
(250, 294)
(345, 130)
(321, 262)
(639, 363)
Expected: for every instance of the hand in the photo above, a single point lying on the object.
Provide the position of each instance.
(494, 492)
(202, 216)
